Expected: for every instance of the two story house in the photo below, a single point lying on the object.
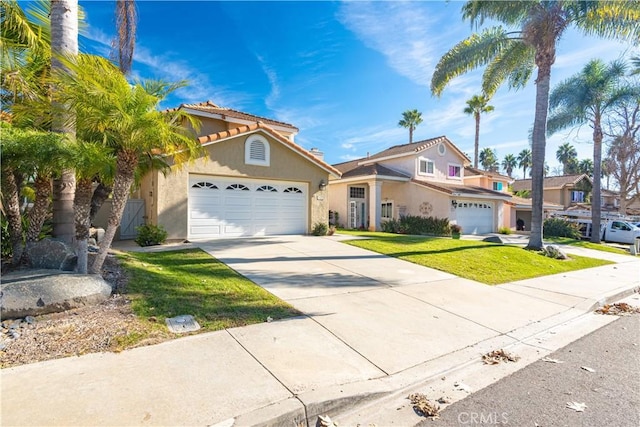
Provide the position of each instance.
(428, 178)
(565, 190)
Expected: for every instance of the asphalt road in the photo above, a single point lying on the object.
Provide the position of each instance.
(538, 394)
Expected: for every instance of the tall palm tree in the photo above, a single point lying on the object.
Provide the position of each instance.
(585, 98)
(488, 159)
(410, 119)
(64, 43)
(568, 157)
(126, 119)
(509, 163)
(477, 105)
(585, 166)
(528, 40)
(524, 161)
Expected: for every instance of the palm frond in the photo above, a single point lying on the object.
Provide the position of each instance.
(515, 64)
(471, 53)
(509, 12)
(618, 19)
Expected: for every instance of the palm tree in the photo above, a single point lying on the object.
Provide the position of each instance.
(64, 43)
(585, 166)
(410, 119)
(635, 61)
(126, 120)
(568, 157)
(509, 163)
(524, 161)
(585, 98)
(488, 159)
(529, 38)
(477, 105)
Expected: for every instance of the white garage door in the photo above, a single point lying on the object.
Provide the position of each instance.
(235, 207)
(475, 217)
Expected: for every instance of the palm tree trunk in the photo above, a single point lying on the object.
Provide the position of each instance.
(64, 41)
(410, 134)
(40, 208)
(596, 209)
(477, 142)
(100, 194)
(537, 153)
(126, 164)
(12, 205)
(82, 206)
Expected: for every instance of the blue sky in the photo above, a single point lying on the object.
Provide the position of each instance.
(342, 72)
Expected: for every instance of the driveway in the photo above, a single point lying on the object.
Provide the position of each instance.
(393, 313)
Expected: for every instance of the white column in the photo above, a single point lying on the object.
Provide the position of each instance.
(375, 196)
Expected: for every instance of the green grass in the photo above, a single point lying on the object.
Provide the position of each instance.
(586, 244)
(484, 262)
(167, 284)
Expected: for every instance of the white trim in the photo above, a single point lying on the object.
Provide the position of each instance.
(382, 202)
(254, 138)
(505, 198)
(457, 178)
(367, 178)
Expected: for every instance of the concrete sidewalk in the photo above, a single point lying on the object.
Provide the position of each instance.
(373, 325)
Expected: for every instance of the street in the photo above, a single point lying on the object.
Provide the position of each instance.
(538, 394)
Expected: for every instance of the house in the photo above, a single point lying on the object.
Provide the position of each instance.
(251, 180)
(428, 178)
(564, 190)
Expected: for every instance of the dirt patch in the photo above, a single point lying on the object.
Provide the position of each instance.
(110, 326)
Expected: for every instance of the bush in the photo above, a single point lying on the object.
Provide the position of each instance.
(410, 224)
(149, 235)
(556, 227)
(320, 229)
(504, 230)
(455, 228)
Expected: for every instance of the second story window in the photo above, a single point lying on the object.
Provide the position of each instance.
(497, 186)
(425, 167)
(455, 172)
(577, 196)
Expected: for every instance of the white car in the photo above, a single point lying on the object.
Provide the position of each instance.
(621, 232)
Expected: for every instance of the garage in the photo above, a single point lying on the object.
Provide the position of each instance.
(240, 207)
(475, 217)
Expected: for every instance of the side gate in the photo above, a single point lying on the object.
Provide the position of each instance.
(132, 217)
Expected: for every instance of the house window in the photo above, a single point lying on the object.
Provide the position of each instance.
(386, 211)
(204, 184)
(425, 167)
(356, 192)
(295, 190)
(455, 171)
(256, 151)
(497, 186)
(267, 188)
(577, 196)
(238, 187)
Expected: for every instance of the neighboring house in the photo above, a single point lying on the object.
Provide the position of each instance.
(425, 178)
(610, 200)
(565, 190)
(252, 180)
(521, 211)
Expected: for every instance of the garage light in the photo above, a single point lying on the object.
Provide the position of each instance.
(322, 185)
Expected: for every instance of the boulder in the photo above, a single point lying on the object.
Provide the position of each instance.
(37, 292)
(493, 239)
(553, 251)
(51, 254)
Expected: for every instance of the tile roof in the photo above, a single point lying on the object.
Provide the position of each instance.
(210, 107)
(527, 202)
(244, 129)
(463, 189)
(473, 172)
(550, 181)
(373, 169)
(414, 147)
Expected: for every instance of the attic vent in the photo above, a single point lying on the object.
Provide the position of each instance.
(256, 151)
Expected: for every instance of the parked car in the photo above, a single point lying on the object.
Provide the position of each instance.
(621, 232)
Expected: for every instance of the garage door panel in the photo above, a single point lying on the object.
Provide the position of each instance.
(475, 217)
(245, 207)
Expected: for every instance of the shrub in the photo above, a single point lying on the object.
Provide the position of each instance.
(455, 228)
(556, 227)
(504, 230)
(433, 226)
(149, 235)
(320, 229)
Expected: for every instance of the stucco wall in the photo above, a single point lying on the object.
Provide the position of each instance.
(338, 201)
(409, 164)
(227, 159)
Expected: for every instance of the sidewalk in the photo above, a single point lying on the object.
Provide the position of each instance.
(373, 326)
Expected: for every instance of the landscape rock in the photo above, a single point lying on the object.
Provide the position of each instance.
(493, 239)
(553, 251)
(51, 254)
(37, 292)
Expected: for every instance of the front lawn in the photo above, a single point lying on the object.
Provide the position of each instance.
(484, 262)
(586, 244)
(168, 284)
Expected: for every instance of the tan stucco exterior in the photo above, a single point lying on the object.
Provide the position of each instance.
(166, 197)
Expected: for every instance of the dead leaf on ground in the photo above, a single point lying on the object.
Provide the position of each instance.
(550, 360)
(578, 407)
(618, 309)
(588, 369)
(498, 356)
(423, 406)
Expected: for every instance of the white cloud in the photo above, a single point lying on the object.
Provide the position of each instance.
(398, 30)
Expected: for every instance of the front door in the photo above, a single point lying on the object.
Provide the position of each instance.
(357, 207)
